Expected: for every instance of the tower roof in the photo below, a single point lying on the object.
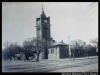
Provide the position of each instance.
(43, 14)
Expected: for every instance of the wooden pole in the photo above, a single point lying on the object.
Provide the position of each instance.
(69, 48)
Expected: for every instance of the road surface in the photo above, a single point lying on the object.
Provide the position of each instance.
(62, 65)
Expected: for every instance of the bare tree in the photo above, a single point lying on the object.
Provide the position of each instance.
(87, 49)
(6, 44)
(76, 45)
(29, 47)
(11, 49)
(94, 41)
(41, 46)
(73, 51)
(35, 45)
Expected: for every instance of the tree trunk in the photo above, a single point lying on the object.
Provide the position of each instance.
(37, 59)
(85, 53)
(70, 57)
(88, 54)
(73, 54)
(14, 58)
(73, 57)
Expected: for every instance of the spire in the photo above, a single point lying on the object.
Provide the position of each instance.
(42, 7)
(43, 14)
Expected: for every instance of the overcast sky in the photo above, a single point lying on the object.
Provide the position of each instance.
(75, 19)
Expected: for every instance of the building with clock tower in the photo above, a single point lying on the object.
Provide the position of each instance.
(54, 50)
(43, 31)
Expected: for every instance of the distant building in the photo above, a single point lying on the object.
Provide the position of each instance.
(20, 56)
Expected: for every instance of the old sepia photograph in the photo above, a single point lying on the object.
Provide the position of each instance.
(49, 37)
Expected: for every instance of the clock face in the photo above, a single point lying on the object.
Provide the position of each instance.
(45, 21)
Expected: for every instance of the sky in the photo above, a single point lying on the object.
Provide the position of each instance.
(79, 20)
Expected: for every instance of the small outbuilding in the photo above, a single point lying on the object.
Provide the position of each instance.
(58, 51)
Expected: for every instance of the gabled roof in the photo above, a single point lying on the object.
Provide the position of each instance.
(43, 14)
(58, 44)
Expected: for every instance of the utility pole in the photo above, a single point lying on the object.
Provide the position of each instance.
(69, 48)
(37, 49)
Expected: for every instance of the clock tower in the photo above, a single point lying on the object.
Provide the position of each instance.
(43, 31)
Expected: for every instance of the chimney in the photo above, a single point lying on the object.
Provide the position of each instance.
(53, 41)
(62, 41)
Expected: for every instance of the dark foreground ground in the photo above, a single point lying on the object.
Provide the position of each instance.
(63, 65)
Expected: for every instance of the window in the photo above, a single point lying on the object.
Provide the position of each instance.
(46, 28)
(52, 50)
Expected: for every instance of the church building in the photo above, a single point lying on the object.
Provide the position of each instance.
(53, 50)
(43, 32)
